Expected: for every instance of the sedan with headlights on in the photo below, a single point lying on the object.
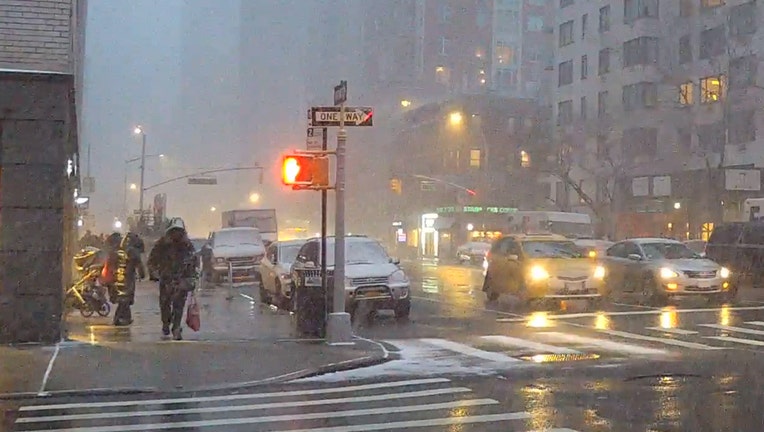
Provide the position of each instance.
(541, 266)
(657, 269)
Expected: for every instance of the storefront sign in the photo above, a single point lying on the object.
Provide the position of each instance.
(476, 209)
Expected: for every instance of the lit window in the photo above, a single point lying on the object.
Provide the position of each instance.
(475, 158)
(505, 55)
(712, 89)
(686, 96)
(525, 159)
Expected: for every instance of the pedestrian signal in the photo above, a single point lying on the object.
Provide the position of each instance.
(305, 170)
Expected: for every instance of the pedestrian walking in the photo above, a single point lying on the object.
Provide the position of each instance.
(129, 265)
(172, 262)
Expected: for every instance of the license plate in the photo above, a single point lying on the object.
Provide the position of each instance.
(373, 294)
(574, 287)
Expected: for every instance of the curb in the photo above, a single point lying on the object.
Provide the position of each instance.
(83, 392)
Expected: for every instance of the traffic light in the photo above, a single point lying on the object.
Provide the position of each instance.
(305, 170)
(396, 186)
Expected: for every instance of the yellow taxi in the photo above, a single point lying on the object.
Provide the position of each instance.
(541, 266)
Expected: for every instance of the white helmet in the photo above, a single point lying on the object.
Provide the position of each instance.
(176, 223)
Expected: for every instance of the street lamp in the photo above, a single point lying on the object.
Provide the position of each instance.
(254, 198)
(213, 209)
(139, 131)
(133, 186)
(455, 118)
(405, 103)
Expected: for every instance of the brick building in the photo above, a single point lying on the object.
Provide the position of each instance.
(41, 46)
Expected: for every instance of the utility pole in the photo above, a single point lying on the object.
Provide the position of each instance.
(143, 172)
(339, 328)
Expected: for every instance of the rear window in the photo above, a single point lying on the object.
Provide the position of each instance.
(753, 234)
(725, 234)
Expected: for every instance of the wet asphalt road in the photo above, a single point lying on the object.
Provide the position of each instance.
(460, 364)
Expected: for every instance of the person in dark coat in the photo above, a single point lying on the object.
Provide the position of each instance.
(129, 265)
(173, 263)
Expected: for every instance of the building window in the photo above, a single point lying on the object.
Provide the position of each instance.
(506, 79)
(566, 33)
(602, 146)
(711, 137)
(685, 49)
(712, 89)
(602, 104)
(713, 42)
(636, 9)
(584, 67)
(743, 71)
(444, 43)
(743, 19)
(565, 3)
(565, 113)
(742, 127)
(604, 61)
(684, 140)
(711, 3)
(443, 75)
(686, 95)
(640, 142)
(686, 7)
(535, 23)
(565, 73)
(604, 19)
(584, 23)
(508, 21)
(639, 95)
(445, 13)
(525, 159)
(505, 54)
(475, 158)
(640, 51)
(583, 108)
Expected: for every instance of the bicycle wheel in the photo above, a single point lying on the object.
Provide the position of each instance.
(86, 310)
(104, 309)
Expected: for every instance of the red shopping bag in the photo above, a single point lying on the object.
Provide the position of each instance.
(193, 315)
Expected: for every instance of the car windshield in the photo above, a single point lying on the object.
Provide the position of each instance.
(359, 252)
(287, 254)
(198, 244)
(697, 246)
(551, 249)
(668, 251)
(238, 237)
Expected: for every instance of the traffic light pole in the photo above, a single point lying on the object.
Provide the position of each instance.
(339, 329)
(324, 192)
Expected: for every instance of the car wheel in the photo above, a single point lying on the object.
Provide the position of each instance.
(284, 301)
(402, 309)
(650, 295)
(265, 298)
(490, 294)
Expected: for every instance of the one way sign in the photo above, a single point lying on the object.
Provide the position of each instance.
(330, 116)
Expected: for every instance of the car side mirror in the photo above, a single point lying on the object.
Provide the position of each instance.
(635, 257)
(513, 257)
(395, 261)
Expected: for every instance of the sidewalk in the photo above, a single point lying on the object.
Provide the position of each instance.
(241, 342)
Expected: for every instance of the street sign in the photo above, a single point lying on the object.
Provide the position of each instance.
(330, 116)
(315, 138)
(341, 93)
(202, 180)
(427, 185)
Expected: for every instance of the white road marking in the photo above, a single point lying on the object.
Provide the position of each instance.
(605, 344)
(673, 330)
(248, 297)
(48, 370)
(733, 329)
(758, 323)
(628, 313)
(350, 428)
(524, 343)
(519, 316)
(666, 341)
(737, 340)
(264, 419)
(470, 351)
(136, 402)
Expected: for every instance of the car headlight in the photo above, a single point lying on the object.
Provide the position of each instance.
(667, 273)
(599, 272)
(724, 272)
(539, 273)
(398, 277)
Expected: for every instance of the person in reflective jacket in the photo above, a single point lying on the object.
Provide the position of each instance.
(129, 265)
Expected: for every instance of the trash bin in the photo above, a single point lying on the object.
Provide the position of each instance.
(312, 302)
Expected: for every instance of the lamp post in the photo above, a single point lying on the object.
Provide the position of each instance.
(139, 131)
(124, 189)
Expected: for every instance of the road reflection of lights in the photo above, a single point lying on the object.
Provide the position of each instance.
(602, 322)
(592, 418)
(92, 337)
(667, 411)
(539, 401)
(724, 315)
(539, 320)
(430, 285)
(669, 318)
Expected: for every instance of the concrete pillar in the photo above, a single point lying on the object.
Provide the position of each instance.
(37, 138)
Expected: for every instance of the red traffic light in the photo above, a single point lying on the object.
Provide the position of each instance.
(296, 170)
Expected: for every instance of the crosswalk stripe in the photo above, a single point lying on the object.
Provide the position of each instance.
(675, 342)
(232, 408)
(524, 343)
(470, 351)
(384, 385)
(310, 416)
(737, 340)
(673, 330)
(758, 323)
(605, 344)
(734, 329)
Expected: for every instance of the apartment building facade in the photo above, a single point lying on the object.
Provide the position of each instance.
(655, 105)
(41, 47)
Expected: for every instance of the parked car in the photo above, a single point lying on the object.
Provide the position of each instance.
(739, 246)
(240, 249)
(275, 272)
(371, 276)
(657, 269)
(472, 252)
(591, 247)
